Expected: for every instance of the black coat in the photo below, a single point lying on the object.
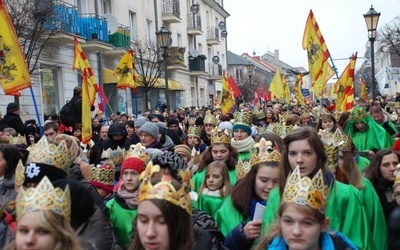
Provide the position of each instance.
(14, 121)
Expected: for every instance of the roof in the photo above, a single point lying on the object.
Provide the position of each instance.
(234, 59)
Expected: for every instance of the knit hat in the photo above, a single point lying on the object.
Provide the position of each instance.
(133, 163)
(150, 128)
(183, 149)
(242, 121)
(199, 121)
(172, 161)
(140, 121)
(12, 107)
(172, 121)
(225, 125)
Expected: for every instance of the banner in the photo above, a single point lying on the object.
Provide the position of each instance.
(125, 71)
(227, 96)
(276, 88)
(14, 71)
(344, 87)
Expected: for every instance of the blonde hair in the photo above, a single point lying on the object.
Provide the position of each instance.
(59, 227)
(226, 187)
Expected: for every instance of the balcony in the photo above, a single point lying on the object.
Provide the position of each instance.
(215, 71)
(213, 36)
(194, 25)
(176, 58)
(197, 65)
(171, 12)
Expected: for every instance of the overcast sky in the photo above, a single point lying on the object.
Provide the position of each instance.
(263, 25)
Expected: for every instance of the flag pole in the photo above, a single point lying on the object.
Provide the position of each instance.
(334, 67)
(37, 111)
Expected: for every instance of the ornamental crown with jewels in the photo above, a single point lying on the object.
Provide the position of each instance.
(264, 151)
(220, 137)
(164, 190)
(103, 173)
(306, 191)
(137, 151)
(44, 197)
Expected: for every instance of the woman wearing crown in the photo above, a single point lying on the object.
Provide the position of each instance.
(42, 224)
(305, 149)
(250, 192)
(219, 150)
(301, 222)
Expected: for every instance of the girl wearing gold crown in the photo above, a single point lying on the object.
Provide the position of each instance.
(301, 222)
(215, 188)
(251, 193)
(219, 150)
(42, 224)
(305, 149)
(327, 121)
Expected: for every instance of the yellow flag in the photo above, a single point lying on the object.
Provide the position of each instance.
(364, 92)
(287, 88)
(86, 105)
(317, 54)
(345, 87)
(298, 95)
(276, 87)
(227, 96)
(125, 71)
(14, 72)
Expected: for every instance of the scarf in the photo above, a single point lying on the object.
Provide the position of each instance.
(130, 198)
(243, 145)
(208, 192)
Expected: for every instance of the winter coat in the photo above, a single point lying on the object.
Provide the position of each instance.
(7, 197)
(14, 121)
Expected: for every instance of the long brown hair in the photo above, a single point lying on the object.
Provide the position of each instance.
(301, 133)
(206, 157)
(349, 173)
(244, 191)
(373, 171)
(276, 230)
(226, 187)
(327, 117)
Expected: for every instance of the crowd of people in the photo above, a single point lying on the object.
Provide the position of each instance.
(275, 176)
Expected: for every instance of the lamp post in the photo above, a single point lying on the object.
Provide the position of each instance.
(250, 68)
(371, 20)
(164, 41)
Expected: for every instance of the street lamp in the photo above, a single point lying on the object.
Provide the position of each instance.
(164, 41)
(250, 68)
(371, 20)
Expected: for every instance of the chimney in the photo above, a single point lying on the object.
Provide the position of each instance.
(276, 57)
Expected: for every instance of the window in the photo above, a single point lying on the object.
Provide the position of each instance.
(50, 90)
(106, 6)
(150, 33)
(200, 49)
(132, 25)
(193, 94)
(202, 96)
(179, 39)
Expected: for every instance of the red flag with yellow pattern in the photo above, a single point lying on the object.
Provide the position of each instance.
(227, 96)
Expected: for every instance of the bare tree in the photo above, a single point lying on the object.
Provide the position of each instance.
(34, 23)
(148, 65)
(389, 34)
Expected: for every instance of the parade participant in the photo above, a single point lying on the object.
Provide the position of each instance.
(102, 178)
(96, 127)
(270, 115)
(164, 211)
(378, 116)
(345, 170)
(304, 148)
(261, 121)
(366, 133)
(77, 131)
(396, 185)
(97, 147)
(381, 174)
(344, 119)
(242, 227)
(215, 188)
(327, 121)
(175, 132)
(130, 128)
(219, 150)
(209, 122)
(42, 224)
(301, 222)
(123, 206)
(13, 120)
(193, 139)
(50, 130)
(243, 142)
(225, 123)
(293, 120)
(149, 135)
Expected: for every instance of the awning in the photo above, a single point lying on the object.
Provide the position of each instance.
(109, 78)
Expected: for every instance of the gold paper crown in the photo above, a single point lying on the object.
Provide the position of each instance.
(242, 168)
(305, 191)
(60, 153)
(318, 111)
(104, 174)
(19, 174)
(397, 174)
(194, 131)
(138, 151)
(338, 138)
(210, 119)
(264, 152)
(18, 140)
(44, 197)
(282, 130)
(243, 118)
(191, 121)
(117, 156)
(358, 114)
(195, 156)
(220, 137)
(337, 114)
(164, 190)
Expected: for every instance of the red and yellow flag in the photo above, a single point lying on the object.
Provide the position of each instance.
(82, 63)
(317, 52)
(298, 95)
(276, 88)
(286, 88)
(125, 71)
(344, 87)
(14, 72)
(227, 96)
(86, 106)
(364, 92)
